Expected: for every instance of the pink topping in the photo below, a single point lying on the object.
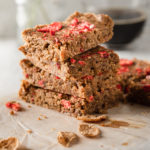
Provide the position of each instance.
(148, 71)
(66, 103)
(103, 54)
(72, 60)
(57, 77)
(88, 77)
(13, 105)
(146, 88)
(41, 82)
(139, 70)
(126, 62)
(91, 98)
(81, 62)
(119, 87)
(123, 70)
(74, 22)
(52, 28)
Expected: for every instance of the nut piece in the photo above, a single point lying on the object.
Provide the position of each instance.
(11, 143)
(67, 138)
(92, 118)
(89, 130)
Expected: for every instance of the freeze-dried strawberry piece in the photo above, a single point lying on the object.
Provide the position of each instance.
(81, 50)
(103, 54)
(126, 62)
(41, 82)
(72, 60)
(119, 87)
(88, 77)
(81, 62)
(147, 71)
(148, 77)
(139, 70)
(58, 65)
(74, 22)
(100, 73)
(52, 28)
(27, 75)
(146, 88)
(123, 70)
(8, 104)
(91, 98)
(66, 103)
(13, 105)
(16, 106)
(57, 77)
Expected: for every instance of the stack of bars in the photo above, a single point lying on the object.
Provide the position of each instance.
(65, 68)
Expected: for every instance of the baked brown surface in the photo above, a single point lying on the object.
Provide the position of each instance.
(62, 40)
(66, 103)
(134, 80)
(90, 63)
(84, 88)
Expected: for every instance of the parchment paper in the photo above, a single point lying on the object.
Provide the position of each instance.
(44, 132)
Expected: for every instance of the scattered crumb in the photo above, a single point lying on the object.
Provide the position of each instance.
(92, 118)
(44, 116)
(11, 143)
(39, 118)
(53, 129)
(89, 130)
(13, 105)
(125, 143)
(12, 112)
(67, 138)
(29, 106)
(115, 124)
(29, 131)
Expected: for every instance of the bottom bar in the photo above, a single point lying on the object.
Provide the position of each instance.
(65, 103)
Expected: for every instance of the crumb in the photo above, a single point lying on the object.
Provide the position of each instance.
(29, 131)
(89, 130)
(67, 138)
(44, 116)
(125, 143)
(12, 112)
(12, 143)
(92, 118)
(53, 129)
(29, 106)
(39, 118)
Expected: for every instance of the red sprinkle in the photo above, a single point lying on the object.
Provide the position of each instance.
(100, 73)
(27, 76)
(88, 77)
(13, 105)
(81, 50)
(52, 28)
(123, 70)
(16, 106)
(139, 70)
(74, 22)
(103, 54)
(72, 60)
(8, 104)
(58, 65)
(66, 103)
(126, 62)
(147, 71)
(119, 87)
(91, 98)
(41, 82)
(81, 62)
(146, 88)
(57, 77)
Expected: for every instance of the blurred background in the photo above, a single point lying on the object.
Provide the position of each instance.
(16, 15)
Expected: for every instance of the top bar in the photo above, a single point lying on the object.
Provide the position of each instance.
(62, 40)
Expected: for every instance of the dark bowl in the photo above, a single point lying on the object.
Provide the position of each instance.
(128, 24)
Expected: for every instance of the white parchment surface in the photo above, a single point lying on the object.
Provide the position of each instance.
(44, 131)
